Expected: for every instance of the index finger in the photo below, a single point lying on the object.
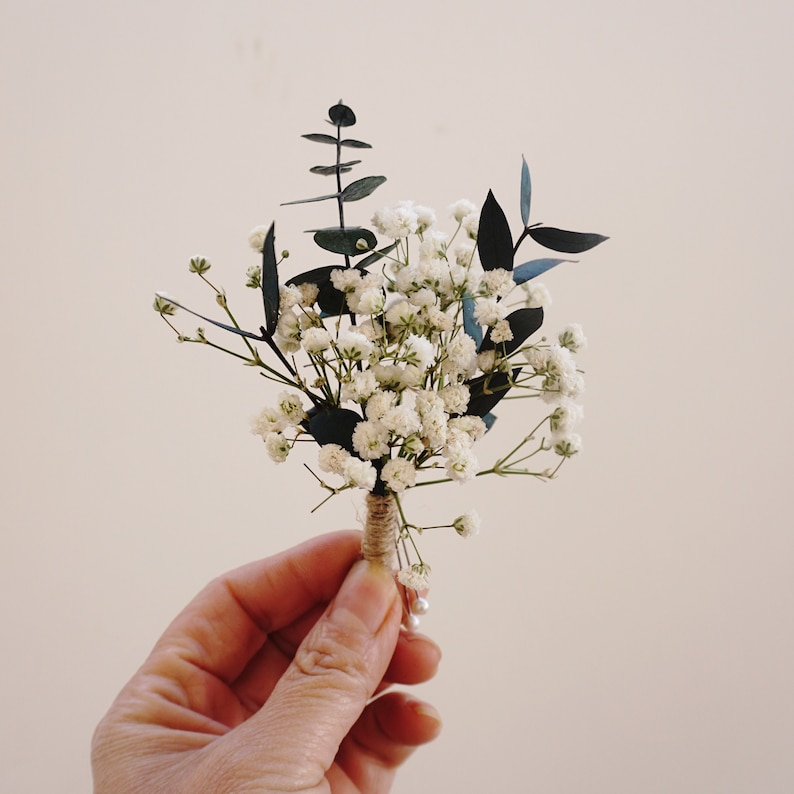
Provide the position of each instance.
(229, 620)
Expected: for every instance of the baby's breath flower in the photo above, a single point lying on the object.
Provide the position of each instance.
(371, 440)
(198, 264)
(370, 301)
(401, 420)
(572, 337)
(332, 458)
(425, 218)
(402, 314)
(461, 208)
(502, 332)
(537, 295)
(465, 253)
(468, 524)
(414, 577)
(256, 237)
(277, 447)
(498, 282)
(399, 474)
(568, 446)
(347, 279)
(471, 224)
(359, 387)
(488, 311)
(473, 426)
(288, 296)
(353, 346)
(537, 358)
(379, 402)
(396, 222)
(254, 277)
(455, 397)
(290, 405)
(359, 473)
(486, 360)
(565, 417)
(162, 304)
(419, 351)
(315, 340)
(268, 420)
(309, 293)
(460, 462)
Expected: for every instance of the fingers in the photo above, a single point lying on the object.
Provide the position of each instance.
(227, 623)
(416, 659)
(333, 675)
(385, 735)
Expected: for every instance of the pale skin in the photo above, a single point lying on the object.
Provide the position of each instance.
(274, 679)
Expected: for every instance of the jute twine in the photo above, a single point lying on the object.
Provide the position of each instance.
(380, 530)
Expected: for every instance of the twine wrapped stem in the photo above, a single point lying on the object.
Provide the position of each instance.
(380, 530)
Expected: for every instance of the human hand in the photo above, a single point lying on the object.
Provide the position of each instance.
(264, 683)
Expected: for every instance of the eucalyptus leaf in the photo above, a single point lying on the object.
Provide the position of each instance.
(310, 200)
(342, 115)
(362, 188)
(270, 295)
(526, 191)
(231, 328)
(354, 144)
(535, 267)
(487, 390)
(320, 137)
(343, 241)
(470, 325)
(494, 240)
(329, 170)
(335, 426)
(565, 241)
(523, 323)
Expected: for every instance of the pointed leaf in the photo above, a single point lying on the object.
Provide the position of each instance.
(270, 296)
(329, 299)
(362, 188)
(335, 426)
(310, 200)
(567, 242)
(470, 325)
(320, 137)
(354, 144)
(376, 256)
(489, 420)
(343, 241)
(535, 267)
(526, 191)
(494, 240)
(342, 115)
(523, 323)
(238, 331)
(487, 390)
(328, 170)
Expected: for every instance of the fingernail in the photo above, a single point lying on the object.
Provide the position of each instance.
(365, 598)
(426, 710)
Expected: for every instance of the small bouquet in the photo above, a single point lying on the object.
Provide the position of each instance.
(393, 359)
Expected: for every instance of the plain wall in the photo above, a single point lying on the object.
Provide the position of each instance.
(627, 628)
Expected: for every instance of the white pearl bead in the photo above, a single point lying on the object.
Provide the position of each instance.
(411, 622)
(420, 606)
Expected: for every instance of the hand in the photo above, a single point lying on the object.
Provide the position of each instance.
(264, 683)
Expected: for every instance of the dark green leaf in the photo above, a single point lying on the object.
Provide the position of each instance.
(335, 426)
(534, 268)
(238, 331)
(329, 299)
(342, 115)
(487, 390)
(494, 240)
(362, 188)
(375, 256)
(328, 170)
(343, 241)
(354, 144)
(270, 296)
(319, 137)
(567, 242)
(523, 323)
(310, 200)
(470, 325)
(526, 191)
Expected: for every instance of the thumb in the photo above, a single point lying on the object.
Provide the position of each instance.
(333, 675)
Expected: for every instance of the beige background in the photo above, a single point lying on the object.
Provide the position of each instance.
(625, 629)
